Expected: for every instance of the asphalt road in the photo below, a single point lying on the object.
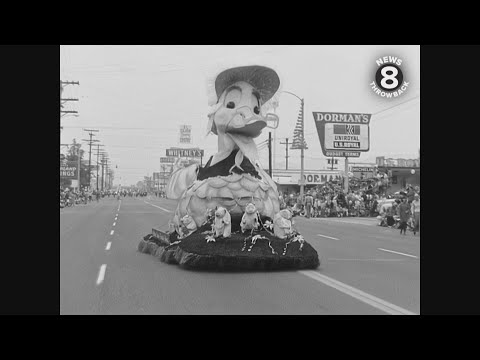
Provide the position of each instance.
(365, 269)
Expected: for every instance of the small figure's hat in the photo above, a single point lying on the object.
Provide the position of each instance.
(262, 78)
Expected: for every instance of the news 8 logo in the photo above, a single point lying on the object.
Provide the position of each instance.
(389, 78)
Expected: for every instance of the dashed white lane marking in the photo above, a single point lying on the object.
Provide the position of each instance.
(334, 220)
(101, 274)
(357, 294)
(111, 232)
(108, 245)
(328, 237)
(114, 223)
(158, 207)
(396, 252)
(334, 259)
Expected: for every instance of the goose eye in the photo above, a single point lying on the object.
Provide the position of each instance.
(231, 105)
(256, 110)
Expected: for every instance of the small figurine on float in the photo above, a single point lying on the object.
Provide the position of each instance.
(249, 218)
(187, 227)
(223, 223)
(209, 216)
(282, 224)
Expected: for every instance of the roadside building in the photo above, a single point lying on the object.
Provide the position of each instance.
(288, 181)
(400, 172)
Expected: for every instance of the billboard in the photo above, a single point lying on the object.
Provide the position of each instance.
(176, 152)
(362, 169)
(363, 172)
(320, 178)
(168, 160)
(185, 134)
(69, 170)
(343, 134)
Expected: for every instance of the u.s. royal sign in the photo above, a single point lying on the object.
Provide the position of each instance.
(343, 134)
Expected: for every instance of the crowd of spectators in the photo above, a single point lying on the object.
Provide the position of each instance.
(71, 197)
(366, 199)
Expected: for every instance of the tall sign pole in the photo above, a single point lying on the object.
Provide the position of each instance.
(346, 175)
(302, 149)
(78, 157)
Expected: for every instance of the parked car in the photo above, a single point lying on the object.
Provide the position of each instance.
(387, 202)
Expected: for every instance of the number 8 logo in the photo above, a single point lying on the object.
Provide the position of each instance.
(392, 77)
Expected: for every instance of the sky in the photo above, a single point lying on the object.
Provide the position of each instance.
(138, 96)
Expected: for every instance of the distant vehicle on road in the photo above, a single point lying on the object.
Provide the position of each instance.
(387, 202)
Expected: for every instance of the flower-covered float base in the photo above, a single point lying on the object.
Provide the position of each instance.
(258, 251)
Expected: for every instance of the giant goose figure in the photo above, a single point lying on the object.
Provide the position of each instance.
(233, 177)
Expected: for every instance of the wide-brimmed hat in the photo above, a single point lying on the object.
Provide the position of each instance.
(262, 78)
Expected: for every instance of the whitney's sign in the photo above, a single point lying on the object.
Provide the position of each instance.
(185, 152)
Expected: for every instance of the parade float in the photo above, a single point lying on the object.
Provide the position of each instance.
(228, 215)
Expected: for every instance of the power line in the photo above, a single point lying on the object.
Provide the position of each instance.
(127, 128)
(391, 107)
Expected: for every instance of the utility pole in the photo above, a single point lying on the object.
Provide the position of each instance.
(106, 169)
(90, 152)
(270, 153)
(106, 174)
(286, 153)
(103, 167)
(333, 161)
(104, 162)
(98, 153)
(62, 86)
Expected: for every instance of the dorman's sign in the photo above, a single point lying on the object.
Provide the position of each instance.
(343, 134)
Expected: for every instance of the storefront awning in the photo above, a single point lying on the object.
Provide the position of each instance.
(284, 180)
